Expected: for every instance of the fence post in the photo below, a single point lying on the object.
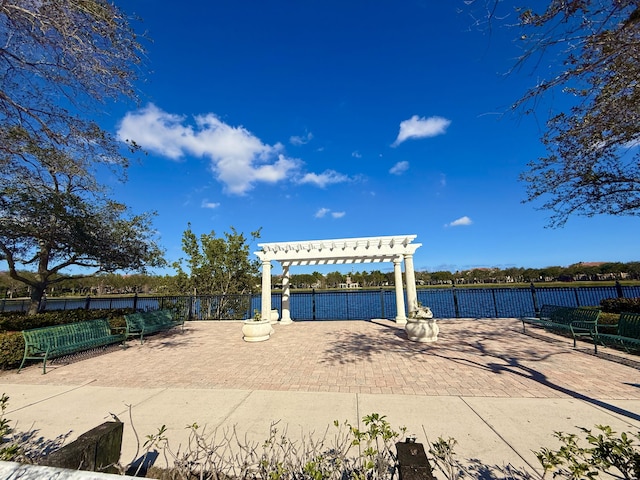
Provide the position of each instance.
(191, 300)
(135, 302)
(455, 301)
(87, 302)
(313, 303)
(495, 303)
(382, 302)
(534, 297)
(619, 290)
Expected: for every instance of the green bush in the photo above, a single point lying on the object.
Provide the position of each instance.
(11, 350)
(619, 305)
(608, 318)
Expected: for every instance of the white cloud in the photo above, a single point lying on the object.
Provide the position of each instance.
(460, 222)
(323, 179)
(238, 158)
(322, 212)
(301, 140)
(421, 127)
(399, 168)
(208, 204)
(356, 154)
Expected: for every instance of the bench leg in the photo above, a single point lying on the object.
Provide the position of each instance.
(24, 359)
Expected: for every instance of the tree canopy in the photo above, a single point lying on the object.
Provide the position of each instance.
(59, 59)
(55, 216)
(590, 50)
(219, 266)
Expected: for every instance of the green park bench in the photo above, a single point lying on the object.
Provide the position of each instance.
(146, 323)
(627, 333)
(579, 321)
(46, 343)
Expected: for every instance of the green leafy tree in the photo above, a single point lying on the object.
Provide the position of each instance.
(377, 278)
(54, 216)
(218, 266)
(334, 279)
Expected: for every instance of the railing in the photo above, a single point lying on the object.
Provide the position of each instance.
(451, 302)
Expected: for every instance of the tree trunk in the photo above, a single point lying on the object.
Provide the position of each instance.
(36, 303)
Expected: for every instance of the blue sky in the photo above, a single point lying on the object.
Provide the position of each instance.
(330, 119)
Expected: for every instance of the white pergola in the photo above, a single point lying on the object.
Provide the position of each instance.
(396, 249)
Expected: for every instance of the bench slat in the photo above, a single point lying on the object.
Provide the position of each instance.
(627, 333)
(145, 323)
(45, 343)
(579, 321)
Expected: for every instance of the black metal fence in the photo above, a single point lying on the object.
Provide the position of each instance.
(451, 302)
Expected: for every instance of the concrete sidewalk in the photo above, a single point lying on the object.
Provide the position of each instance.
(498, 392)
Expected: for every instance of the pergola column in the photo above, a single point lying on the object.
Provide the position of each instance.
(285, 315)
(266, 290)
(410, 277)
(401, 317)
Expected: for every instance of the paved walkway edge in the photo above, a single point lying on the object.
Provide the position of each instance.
(494, 431)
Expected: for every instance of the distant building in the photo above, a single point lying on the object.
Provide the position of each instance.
(349, 283)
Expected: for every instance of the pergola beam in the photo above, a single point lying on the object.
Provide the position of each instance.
(394, 249)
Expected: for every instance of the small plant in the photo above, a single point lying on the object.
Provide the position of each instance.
(445, 459)
(9, 450)
(605, 453)
(257, 316)
(377, 457)
(222, 454)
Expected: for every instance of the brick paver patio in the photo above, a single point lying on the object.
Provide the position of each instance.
(476, 358)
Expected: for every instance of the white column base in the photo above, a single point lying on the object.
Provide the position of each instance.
(401, 320)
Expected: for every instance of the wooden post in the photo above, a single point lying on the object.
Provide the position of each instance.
(412, 461)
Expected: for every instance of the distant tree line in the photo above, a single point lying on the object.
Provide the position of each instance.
(115, 284)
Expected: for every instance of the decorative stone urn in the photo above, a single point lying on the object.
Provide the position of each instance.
(256, 330)
(421, 326)
(274, 315)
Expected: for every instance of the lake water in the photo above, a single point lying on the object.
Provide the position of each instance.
(365, 304)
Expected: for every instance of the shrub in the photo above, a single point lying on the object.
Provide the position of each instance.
(608, 318)
(349, 453)
(605, 452)
(619, 305)
(11, 350)
(9, 450)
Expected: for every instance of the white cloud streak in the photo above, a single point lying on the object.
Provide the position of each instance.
(323, 212)
(462, 221)
(399, 168)
(238, 158)
(323, 179)
(421, 127)
(301, 140)
(208, 204)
